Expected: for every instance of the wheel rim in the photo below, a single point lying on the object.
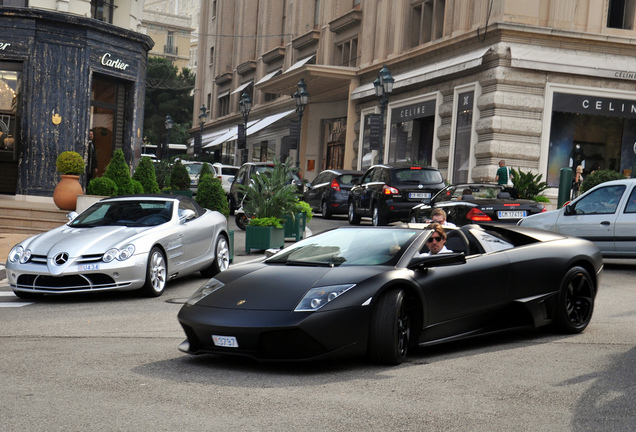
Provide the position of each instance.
(157, 271)
(578, 300)
(324, 208)
(404, 331)
(376, 216)
(222, 254)
(350, 212)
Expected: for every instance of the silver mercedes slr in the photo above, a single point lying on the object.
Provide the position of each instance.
(128, 243)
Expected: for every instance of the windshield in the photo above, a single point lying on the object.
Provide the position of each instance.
(124, 213)
(348, 247)
(194, 169)
(476, 192)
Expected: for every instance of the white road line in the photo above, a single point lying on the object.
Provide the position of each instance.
(6, 295)
(13, 304)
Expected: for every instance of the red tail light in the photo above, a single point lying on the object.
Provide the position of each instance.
(477, 215)
(543, 210)
(335, 185)
(389, 190)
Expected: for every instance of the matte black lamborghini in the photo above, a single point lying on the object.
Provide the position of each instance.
(370, 291)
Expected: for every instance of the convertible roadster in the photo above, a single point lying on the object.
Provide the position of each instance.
(373, 291)
(124, 243)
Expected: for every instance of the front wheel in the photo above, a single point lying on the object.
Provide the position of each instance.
(354, 219)
(241, 220)
(377, 218)
(576, 301)
(156, 274)
(221, 258)
(390, 329)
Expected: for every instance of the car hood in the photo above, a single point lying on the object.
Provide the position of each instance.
(80, 241)
(279, 287)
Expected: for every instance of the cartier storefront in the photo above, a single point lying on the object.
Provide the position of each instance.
(62, 76)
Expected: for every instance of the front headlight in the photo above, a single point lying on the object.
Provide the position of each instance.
(119, 254)
(206, 289)
(318, 297)
(18, 254)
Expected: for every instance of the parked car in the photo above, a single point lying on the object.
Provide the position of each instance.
(605, 215)
(386, 193)
(226, 173)
(328, 194)
(358, 291)
(137, 242)
(476, 203)
(244, 176)
(194, 169)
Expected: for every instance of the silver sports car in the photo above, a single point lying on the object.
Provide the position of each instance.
(122, 243)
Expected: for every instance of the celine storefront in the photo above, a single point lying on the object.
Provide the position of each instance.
(62, 76)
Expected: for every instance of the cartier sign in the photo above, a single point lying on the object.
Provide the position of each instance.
(115, 64)
(4, 45)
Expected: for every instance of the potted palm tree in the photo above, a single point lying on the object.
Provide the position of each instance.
(70, 165)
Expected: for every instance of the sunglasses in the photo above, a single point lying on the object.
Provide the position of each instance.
(437, 239)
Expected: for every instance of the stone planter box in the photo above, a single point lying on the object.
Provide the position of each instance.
(262, 238)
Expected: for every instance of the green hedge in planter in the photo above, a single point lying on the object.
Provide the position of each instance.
(145, 174)
(119, 172)
(102, 186)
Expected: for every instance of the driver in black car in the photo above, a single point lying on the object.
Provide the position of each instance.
(436, 243)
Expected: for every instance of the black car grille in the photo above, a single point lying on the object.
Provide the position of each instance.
(72, 282)
(41, 259)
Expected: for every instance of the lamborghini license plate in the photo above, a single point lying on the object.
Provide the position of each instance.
(225, 341)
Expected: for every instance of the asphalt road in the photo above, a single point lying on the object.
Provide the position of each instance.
(110, 362)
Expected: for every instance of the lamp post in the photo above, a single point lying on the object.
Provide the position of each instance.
(202, 116)
(165, 151)
(383, 89)
(301, 97)
(245, 106)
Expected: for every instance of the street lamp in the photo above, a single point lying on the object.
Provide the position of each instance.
(197, 144)
(301, 97)
(383, 89)
(245, 106)
(165, 151)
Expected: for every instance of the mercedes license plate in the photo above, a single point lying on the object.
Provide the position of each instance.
(87, 267)
(225, 341)
(509, 214)
(419, 195)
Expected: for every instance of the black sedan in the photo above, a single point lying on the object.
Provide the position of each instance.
(371, 291)
(329, 192)
(477, 203)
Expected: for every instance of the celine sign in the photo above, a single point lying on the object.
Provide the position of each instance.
(115, 64)
(594, 105)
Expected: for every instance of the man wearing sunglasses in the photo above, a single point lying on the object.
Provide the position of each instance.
(436, 243)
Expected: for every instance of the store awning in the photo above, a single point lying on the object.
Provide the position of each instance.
(223, 94)
(425, 73)
(242, 87)
(300, 63)
(267, 121)
(210, 137)
(577, 62)
(269, 76)
(253, 127)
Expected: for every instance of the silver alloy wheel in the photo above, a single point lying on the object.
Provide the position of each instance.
(222, 253)
(157, 271)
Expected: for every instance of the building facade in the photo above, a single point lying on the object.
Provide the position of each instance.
(171, 34)
(543, 85)
(67, 68)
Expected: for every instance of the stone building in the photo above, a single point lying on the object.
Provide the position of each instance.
(540, 84)
(170, 25)
(68, 67)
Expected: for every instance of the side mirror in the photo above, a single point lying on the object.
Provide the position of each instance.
(230, 180)
(186, 215)
(355, 181)
(569, 210)
(439, 260)
(72, 215)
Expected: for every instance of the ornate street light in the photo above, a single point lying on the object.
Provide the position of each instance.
(383, 89)
(165, 151)
(301, 97)
(198, 143)
(245, 106)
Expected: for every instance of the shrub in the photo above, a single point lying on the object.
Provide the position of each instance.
(211, 195)
(270, 195)
(138, 188)
(205, 169)
(145, 174)
(119, 172)
(266, 222)
(303, 207)
(162, 173)
(70, 163)
(528, 185)
(101, 186)
(599, 176)
(179, 177)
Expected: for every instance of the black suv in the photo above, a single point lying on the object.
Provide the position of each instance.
(386, 193)
(244, 176)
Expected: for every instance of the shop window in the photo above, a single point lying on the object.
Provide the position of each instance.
(10, 83)
(412, 133)
(347, 53)
(102, 10)
(427, 22)
(621, 14)
(463, 134)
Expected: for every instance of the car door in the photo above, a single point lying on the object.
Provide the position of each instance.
(594, 216)
(195, 234)
(312, 194)
(625, 228)
(371, 188)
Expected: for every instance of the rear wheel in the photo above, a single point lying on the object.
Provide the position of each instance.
(354, 219)
(156, 274)
(576, 301)
(377, 217)
(324, 209)
(390, 329)
(221, 258)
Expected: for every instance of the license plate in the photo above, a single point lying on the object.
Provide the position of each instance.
(512, 214)
(87, 267)
(225, 341)
(419, 195)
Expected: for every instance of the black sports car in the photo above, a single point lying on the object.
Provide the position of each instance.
(476, 203)
(370, 291)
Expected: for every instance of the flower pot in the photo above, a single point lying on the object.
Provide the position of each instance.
(263, 238)
(66, 192)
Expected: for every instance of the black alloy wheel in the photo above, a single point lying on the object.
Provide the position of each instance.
(576, 301)
(354, 219)
(390, 329)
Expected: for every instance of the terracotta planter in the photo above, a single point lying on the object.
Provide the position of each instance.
(66, 192)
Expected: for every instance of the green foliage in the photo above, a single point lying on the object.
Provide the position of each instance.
(600, 176)
(145, 175)
(528, 185)
(119, 172)
(102, 186)
(70, 163)
(179, 177)
(205, 169)
(270, 195)
(542, 199)
(162, 173)
(303, 207)
(266, 222)
(210, 194)
(138, 188)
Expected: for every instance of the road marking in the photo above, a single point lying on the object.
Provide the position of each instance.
(5, 295)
